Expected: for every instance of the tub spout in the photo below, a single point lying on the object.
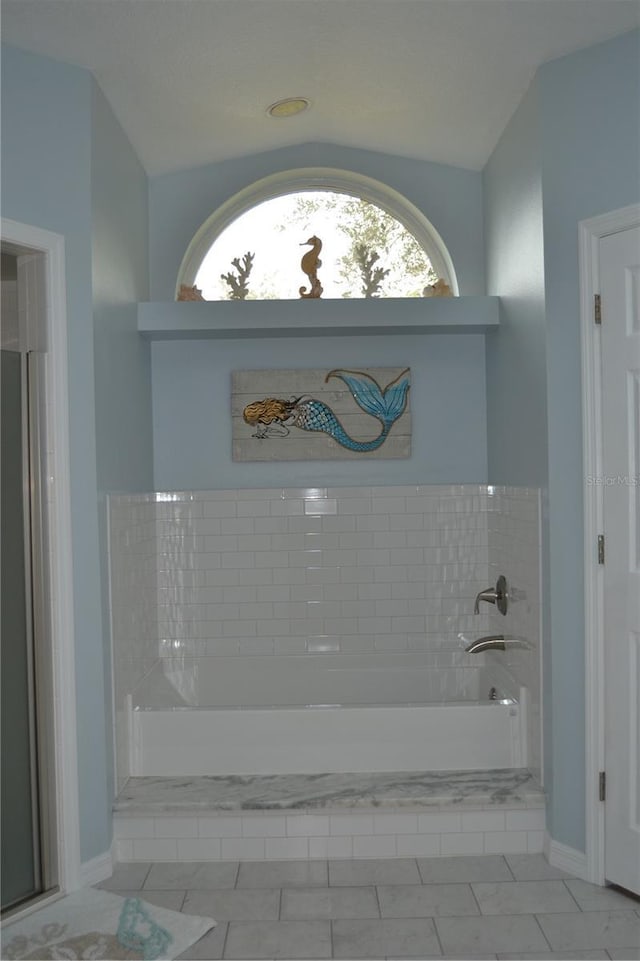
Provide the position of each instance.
(496, 642)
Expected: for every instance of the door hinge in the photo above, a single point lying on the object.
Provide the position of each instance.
(597, 309)
(600, 548)
(602, 786)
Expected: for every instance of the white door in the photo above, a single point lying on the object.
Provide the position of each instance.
(620, 303)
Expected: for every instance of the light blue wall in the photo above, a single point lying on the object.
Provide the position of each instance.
(517, 353)
(122, 360)
(450, 197)
(120, 279)
(192, 423)
(191, 382)
(590, 138)
(46, 170)
(67, 167)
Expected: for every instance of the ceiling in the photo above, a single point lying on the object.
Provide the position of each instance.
(190, 80)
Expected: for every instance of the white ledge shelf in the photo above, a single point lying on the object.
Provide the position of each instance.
(317, 318)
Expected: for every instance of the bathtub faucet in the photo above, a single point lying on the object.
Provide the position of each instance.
(496, 642)
(497, 595)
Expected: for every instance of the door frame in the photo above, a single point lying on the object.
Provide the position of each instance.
(54, 312)
(590, 233)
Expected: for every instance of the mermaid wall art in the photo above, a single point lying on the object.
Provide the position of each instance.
(320, 414)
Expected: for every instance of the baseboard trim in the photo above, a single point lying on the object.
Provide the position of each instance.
(565, 858)
(97, 869)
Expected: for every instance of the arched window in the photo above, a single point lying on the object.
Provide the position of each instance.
(374, 242)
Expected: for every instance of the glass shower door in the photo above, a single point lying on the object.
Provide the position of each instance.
(20, 861)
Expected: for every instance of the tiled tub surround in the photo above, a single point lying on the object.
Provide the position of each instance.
(513, 538)
(324, 570)
(134, 609)
(357, 712)
(260, 577)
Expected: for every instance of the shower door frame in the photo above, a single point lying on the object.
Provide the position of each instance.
(48, 277)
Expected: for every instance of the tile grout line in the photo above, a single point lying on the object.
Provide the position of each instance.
(434, 922)
(571, 895)
(509, 868)
(224, 943)
(537, 920)
(377, 893)
(475, 898)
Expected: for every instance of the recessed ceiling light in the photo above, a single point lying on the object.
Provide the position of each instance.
(288, 107)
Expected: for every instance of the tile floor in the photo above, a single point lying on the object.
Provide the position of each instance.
(511, 907)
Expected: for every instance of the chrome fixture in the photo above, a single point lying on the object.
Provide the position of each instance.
(496, 642)
(498, 596)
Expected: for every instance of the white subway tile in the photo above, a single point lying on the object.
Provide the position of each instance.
(321, 506)
(132, 827)
(437, 823)
(123, 850)
(242, 849)
(176, 827)
(332, 847)
(155, 849)
(535, 842)
(455, 844)
(267, 826)
(532, 819)
(418, 845)
(369, 846)
(283, 848)
(483, 821)
(306, 825)
(219, 827)
(395, 823)
(505, 842)
(198, 849)
(351, 824)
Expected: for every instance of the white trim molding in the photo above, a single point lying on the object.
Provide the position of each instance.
(96, 870)
(590, 233)
(319, 178)
(564, 858)
(51, 246)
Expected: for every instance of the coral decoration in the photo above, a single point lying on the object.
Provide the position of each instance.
(189, 293)
(439, 289)
(238, 283)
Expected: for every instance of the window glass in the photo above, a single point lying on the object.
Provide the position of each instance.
(365, 251)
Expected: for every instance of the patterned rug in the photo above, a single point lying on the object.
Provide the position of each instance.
(97, 925)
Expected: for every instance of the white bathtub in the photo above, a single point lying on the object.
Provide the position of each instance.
(321, 713)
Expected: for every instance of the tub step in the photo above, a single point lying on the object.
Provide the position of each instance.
(329, 815)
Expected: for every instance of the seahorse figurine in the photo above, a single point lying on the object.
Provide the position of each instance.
(386, 404)
(310, 263)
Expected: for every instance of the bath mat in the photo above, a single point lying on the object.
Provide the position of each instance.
(100, 925)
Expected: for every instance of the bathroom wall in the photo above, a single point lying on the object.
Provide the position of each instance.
(192, 410)
(46, 173)
(313, 570)
(590, 134)
(450, 197)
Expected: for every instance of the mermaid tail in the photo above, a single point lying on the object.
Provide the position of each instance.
(386, 405)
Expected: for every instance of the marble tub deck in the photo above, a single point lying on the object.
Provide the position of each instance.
(149, 796)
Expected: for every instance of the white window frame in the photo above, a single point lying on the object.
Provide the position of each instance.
(319, 179)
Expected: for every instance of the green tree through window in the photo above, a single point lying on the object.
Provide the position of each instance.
(359, 238)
